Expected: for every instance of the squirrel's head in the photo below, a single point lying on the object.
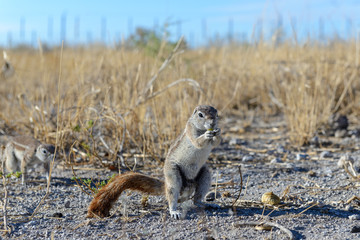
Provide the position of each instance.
(44, 151)
(206, 117)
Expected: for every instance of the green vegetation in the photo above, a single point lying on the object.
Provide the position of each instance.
(151, 42)
(93, 186)
(14, 174)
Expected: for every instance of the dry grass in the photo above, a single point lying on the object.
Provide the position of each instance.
(101, 86)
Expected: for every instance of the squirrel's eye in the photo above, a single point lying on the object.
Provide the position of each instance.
(200, 115)
(44, 151)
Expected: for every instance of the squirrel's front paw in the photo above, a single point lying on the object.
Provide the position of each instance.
(175, 214)
(217, 132)
(209, 134)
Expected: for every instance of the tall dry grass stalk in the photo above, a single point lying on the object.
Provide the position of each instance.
(315, 84)
(100, 86)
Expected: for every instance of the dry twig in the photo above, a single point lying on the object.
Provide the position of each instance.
(254, 224)
(147, 91)
(150, 84)
(5, 199)
(241, 186)
(297, 215)
(352, 199)
(57, 139)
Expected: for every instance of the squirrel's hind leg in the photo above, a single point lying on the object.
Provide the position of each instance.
(173, 184)
(203, 183)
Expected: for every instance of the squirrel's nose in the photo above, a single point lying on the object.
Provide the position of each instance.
(212, 125)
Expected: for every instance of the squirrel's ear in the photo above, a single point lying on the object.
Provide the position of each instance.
(195, 111)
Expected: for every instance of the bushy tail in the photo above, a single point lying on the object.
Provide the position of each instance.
(104, 199)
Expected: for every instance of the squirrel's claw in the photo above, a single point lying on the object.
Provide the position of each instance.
(212, 133)
(209, 134)
(175, 214)
(217, 131)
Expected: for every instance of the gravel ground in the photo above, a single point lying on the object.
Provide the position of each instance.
(316, 195)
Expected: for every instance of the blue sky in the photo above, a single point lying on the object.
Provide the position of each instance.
(198, 20)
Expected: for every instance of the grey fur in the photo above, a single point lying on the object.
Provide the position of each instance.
(22, 152)
(185, 169)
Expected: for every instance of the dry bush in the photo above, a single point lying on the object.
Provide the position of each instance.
(100, 86)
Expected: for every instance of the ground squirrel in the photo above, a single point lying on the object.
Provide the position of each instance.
(22, 152)
(185, 170)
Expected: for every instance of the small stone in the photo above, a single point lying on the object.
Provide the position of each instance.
(301, 156)
(236, 129)
(281, 149)
(290, 166)
(31, 223)
(354, 217)
(270, 198)
(340, 133)
(355, 229)
(325, 154)
(328, 172)
(263, 228)
(341, 122)
(345, 160)
(226, 194)
(247, 158)
(349, 208)
(236, 141)
(67, 204)
(276, 160)
(314, 202)
(354, 133)
(209, 238)
(233, 142)
(314, 140)
(58, 215)
(271, 152)
(102, 154)
(311, 173)
(211, 196)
